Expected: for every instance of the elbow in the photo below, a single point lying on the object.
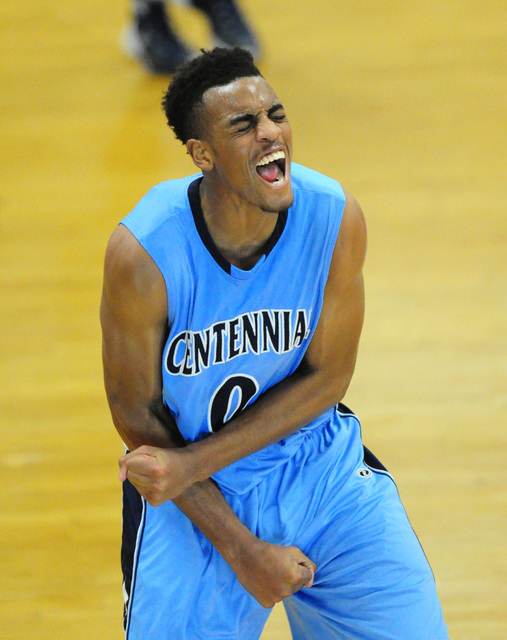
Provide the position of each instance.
(126, 426)
(333, 392)
(128, 418)
(143, 423)
(328, 385)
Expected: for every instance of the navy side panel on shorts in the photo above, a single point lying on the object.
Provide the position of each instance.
(372, 461)
(133, 515)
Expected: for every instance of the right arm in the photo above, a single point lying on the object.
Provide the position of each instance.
(134, 328)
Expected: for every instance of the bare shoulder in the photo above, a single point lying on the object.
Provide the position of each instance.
(127, 261)
(132, 281)
(353, 226)
(350, 249)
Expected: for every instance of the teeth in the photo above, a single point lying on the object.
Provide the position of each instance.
(277, 155)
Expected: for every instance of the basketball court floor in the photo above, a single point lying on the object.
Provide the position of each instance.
(405, 104)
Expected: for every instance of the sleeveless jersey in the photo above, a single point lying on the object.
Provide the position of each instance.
(233, 333)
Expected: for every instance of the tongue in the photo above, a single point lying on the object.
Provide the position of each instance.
(268, 172)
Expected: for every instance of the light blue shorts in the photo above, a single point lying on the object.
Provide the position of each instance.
(329, 497)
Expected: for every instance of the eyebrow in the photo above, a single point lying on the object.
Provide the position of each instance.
(249, 117)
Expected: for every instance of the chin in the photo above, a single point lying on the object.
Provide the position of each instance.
(285, 201)
(277, 202)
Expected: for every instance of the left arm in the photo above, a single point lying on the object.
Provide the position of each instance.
(294, 402)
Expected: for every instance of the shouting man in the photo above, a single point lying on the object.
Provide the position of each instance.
(232, 308)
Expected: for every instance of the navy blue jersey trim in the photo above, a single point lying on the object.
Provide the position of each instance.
(194, 199)
(195, 204)
(342, 408)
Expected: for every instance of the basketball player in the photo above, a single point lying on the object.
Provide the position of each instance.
(232, 308)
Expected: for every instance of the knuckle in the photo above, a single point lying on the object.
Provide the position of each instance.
(288, 591)
(295, 578)
(157, 472)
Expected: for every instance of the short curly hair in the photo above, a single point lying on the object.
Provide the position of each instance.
(214, 68)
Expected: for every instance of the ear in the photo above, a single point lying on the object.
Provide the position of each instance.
(201, 154)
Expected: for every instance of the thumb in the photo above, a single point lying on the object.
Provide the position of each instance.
(123, 468)
(310, 570)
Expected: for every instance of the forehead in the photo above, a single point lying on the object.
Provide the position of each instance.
(244, 95)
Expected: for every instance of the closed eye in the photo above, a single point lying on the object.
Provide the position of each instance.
(245, 128)
(245, 122)
(277, 113)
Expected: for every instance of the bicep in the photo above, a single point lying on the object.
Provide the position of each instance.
(134, 325)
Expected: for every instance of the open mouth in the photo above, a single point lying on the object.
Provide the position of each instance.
(272, 167)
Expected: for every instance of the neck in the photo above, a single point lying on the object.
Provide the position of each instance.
(239, 230)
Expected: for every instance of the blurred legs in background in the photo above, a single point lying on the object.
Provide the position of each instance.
(151, 38)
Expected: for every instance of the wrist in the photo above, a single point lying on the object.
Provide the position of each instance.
(240, 546)
(203, 503)
(198, 461)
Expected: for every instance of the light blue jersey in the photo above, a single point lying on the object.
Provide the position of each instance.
(233, 335)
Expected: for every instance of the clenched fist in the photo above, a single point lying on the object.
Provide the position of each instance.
(158, 474)
(272, 572)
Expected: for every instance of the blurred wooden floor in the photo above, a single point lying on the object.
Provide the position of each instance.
(405, 103)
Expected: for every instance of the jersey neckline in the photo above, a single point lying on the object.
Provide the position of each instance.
(194, 199)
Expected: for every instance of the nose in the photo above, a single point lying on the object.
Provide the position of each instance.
(267, 129)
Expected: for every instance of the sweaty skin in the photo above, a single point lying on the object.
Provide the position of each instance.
(246, 123)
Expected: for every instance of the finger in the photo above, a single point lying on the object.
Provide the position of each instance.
(143, 465)
(123, 473)
(306, 577)
(133, 463)
(146, 450)
(124, 459)
(133, 475)
(309, 583)
(122, 463)
(311, 568)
